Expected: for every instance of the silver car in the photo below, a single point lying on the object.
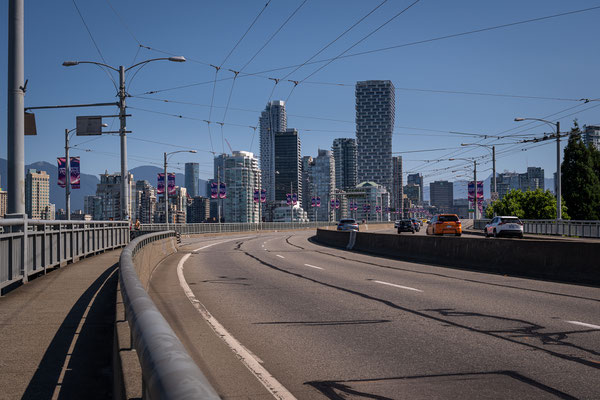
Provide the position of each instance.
(504, 226)
(347, 224)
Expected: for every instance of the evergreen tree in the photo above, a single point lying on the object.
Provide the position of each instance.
(581, 178)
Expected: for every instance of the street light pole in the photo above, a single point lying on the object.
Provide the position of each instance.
(558, 166)
(476, 199)
(124, 172)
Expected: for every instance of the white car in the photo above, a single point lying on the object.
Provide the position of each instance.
(504, 226)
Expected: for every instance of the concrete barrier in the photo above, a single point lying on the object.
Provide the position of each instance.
(566, 261)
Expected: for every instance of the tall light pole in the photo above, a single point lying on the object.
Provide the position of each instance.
(475, 202)
(166, 192)
(493, 151)
(123, 123)
(558, 172)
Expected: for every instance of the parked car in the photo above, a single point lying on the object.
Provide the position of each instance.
(504, 226)
(405, 225)
(416, 223)
(443, 224)
(347, 224)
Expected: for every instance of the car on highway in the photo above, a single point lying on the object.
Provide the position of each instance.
(504, 226)
(405, 225)
(347, 224)
(444, 224)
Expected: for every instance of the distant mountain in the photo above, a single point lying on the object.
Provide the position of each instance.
(57, 194)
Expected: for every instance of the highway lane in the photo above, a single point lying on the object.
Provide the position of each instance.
(325, 322)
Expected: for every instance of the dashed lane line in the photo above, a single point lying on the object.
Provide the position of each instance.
(313, 266)
(280, 256)
(398, 286)
(584, 324)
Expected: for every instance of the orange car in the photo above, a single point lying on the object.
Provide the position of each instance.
(443, 224)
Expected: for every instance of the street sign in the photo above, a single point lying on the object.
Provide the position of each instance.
(89, 126)
(30, 128)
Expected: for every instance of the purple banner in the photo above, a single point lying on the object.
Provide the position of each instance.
(256, 195)
(295, 198)
(288, 199)
(171, 183)
(263, 195)
(75, 173)
(313, 202)
(222, 190)
(337, 203)
(214, 190)
(318, 202)
(62, 171)
(160, 186)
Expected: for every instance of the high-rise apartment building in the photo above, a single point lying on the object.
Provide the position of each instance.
(92, 205)
(192, 176)
(308, 189)
(532, 179)
(323, 185)
(591, 135)
(242, 177)
(198, 210)
(219, 166)
(145, 202)
(397, 184)
(344, 153)
(375, 114)
(37, 195)
(416, 179)
(441, 195)
(507, 181)
(109, 191)
(288, 165)
(272, 120)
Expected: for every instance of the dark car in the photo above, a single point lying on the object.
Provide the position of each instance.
(406, 225)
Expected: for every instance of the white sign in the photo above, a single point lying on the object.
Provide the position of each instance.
(90, 125)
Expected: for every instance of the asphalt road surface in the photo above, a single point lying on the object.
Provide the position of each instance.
(274, 315)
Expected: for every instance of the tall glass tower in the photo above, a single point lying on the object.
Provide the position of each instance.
(344, 153)
(272, 120)
(192, 175)
(375, 112)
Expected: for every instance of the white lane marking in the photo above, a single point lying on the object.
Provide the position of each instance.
(222, 241)
(398, 286)
(312, 266)
(243, 354)
(584, 324)
(280, 256)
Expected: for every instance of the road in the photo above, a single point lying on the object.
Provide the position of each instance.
(313, 322)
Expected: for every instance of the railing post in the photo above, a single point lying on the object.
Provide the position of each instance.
(25, 251)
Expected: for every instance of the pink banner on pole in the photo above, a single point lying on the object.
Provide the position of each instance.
(171, 184)
(214, 190)
(75, 173)
(263, 195)
(62, 171)
(222, 190)
(160, 185)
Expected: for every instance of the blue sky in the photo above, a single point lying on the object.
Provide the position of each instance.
(554, 59)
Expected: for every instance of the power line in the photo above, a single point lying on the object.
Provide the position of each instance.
(123, 23)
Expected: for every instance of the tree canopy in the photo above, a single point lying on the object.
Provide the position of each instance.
(532, 204)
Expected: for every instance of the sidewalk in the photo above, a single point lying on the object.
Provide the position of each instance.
(56, 332)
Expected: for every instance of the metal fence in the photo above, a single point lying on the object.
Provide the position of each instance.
(570, 228)
(29, 247)
(168, 371)
(239, 227)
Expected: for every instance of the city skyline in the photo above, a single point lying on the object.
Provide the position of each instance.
(452, 112)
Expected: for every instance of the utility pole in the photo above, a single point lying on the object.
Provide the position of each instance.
(219, 196)
(494, 168)
(122, 134)
(558, 173)
(291, 204)
(166, 192)
(15, 116)
(476, 198)
(67, 176)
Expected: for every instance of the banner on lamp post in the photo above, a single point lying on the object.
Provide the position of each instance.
(288, 199)
(160, 185)
(294, 198)
(75, 173)
(62, 171)
(171, 184)
(214, 190)
(222, 190)
(318, 201)
(263, 195)
(256, 196)
(313, 202)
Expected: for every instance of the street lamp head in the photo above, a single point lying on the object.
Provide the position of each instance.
(193, 151)
(104, 125)
(519, 119)
(70, 63)
(177, 59)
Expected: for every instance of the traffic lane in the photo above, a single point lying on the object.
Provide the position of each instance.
(569, 322)
(229, 377)
(302, 302)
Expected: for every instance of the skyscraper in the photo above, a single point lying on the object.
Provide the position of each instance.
(375, 113)
(591, 135)
(192, 175)
(288, 165)
(344, 153)
(308, 189)
(323, 180)
(37, 195)
(532, 179)
(109, 191)
(416, 179)
(242, 177)
(397, 186)
(441, 195)
(272, 120)
(219, 165)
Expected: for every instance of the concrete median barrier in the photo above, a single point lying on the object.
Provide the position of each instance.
(566, 261)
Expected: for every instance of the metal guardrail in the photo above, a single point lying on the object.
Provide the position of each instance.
(239, 227)
(29, 247)
(570, 228)
(168, 371)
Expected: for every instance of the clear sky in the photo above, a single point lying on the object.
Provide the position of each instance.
(554, 60)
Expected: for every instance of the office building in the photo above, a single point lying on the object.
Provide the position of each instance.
(288, 165)
(218, 167)
(344, 154)
(507, 181)
(242, 177)
(413, 193)
(198, 210)
(308, 190)
(323, 185)
(192, 177)
(375, 113)
(37, 195)
(397, 193)
(92, 205)
(416, 179)
(441, 195)
(532, 179)
(591, 135)
(272, 120)
(109, 192)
